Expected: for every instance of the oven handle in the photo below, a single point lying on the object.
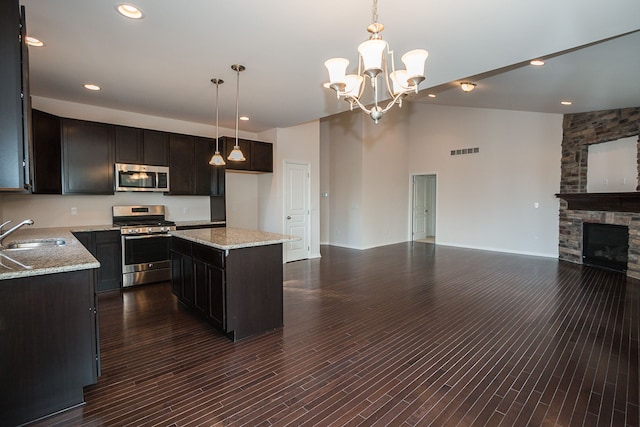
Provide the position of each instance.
(146, 236)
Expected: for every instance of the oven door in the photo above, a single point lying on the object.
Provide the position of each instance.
(145, 259)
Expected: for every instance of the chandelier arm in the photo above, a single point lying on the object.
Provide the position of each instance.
(360, 104)
(396, 99)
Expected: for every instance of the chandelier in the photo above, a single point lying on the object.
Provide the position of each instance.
(373, 64)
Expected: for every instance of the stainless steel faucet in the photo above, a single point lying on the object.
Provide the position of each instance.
(12, 229)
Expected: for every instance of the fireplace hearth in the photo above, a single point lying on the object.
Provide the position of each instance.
(605, 246)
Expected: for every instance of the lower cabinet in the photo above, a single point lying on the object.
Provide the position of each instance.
(106, 247)
(238, 291)
(49, 341)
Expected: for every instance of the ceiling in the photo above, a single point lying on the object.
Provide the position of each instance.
(162, 65)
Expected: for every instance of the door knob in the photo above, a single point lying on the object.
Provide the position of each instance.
(288, 217)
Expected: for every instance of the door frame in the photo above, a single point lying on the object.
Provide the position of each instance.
(307, 230)
(411, 201)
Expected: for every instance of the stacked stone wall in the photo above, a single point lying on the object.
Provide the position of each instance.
(580, 131)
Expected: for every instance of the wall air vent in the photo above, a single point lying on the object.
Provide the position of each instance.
(460, 151)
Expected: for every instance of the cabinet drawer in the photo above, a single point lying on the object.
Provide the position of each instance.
(211, 256)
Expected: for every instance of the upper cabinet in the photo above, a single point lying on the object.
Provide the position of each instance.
(141, 146)
(258, 155)
(189, 168)
(47, 156)
(87, 157)
(14, 99)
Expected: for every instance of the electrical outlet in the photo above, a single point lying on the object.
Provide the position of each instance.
(74, 211)
(185, 210)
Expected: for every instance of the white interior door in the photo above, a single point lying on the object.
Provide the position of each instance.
(419, 207)
(297, 210)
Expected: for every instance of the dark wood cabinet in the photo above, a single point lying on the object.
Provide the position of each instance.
(182, 178)
(203, 150)
(49, 341)
(258, 155)
(141, 146)
(238, 291)
(261, 156)
(106, 247)
(156, 148)
(129, 145)
(47, 153)
(189, 165)
(14, 152)
(87, 157)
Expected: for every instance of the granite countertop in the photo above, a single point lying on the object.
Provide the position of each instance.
(201, 223)
(232, 238)
(71, 256)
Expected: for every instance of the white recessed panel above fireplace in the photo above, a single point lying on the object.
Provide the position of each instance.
(612, 166)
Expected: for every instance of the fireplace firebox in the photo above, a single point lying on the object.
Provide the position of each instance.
(605, 246)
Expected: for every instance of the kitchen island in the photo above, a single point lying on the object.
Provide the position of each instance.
(230, 277)
(48, 324)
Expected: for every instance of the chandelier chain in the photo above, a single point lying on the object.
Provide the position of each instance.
(375, 11)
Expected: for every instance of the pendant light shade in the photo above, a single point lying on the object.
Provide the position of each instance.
(217, 159)
(236, 155)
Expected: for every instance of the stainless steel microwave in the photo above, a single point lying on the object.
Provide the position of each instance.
(141, 177)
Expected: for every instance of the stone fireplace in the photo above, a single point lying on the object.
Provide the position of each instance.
(576, 205)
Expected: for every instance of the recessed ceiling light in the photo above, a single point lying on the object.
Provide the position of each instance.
(91, 86)
(566, 102)
(245, 118)
(32, 41)
(537, 62)
(432, 95)
(129, 11)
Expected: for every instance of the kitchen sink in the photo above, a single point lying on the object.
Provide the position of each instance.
(35, 244)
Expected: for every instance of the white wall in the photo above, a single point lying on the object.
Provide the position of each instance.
(385, 177)
(299, 143)
(345, 179)
(487, 200)
(325, 183)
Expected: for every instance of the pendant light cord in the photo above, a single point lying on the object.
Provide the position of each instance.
(217, 122)
(375, 11)
(237, 96)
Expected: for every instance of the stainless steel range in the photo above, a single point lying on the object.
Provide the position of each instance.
(145, 243)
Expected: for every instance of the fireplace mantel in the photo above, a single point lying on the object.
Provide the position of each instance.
(609, 202)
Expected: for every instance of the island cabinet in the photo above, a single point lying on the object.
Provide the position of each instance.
(49, 344)
(238, 291)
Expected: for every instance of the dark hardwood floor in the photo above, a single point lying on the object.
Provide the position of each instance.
(400, 335)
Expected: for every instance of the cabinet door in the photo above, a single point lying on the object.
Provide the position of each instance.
(188, 286)
(182, 179)
(176, 274)
(129, 148)
(87, 157)
(261, 156)
(156, 147)
(12, 144)
(203, 150)
(201, 283)
(108, 251)
(245, 147)
(47, 168)
(217, 295)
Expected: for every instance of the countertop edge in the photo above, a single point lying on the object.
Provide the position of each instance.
(247, 238)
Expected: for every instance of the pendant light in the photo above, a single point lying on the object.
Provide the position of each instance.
(236, 155)
(217, 159)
